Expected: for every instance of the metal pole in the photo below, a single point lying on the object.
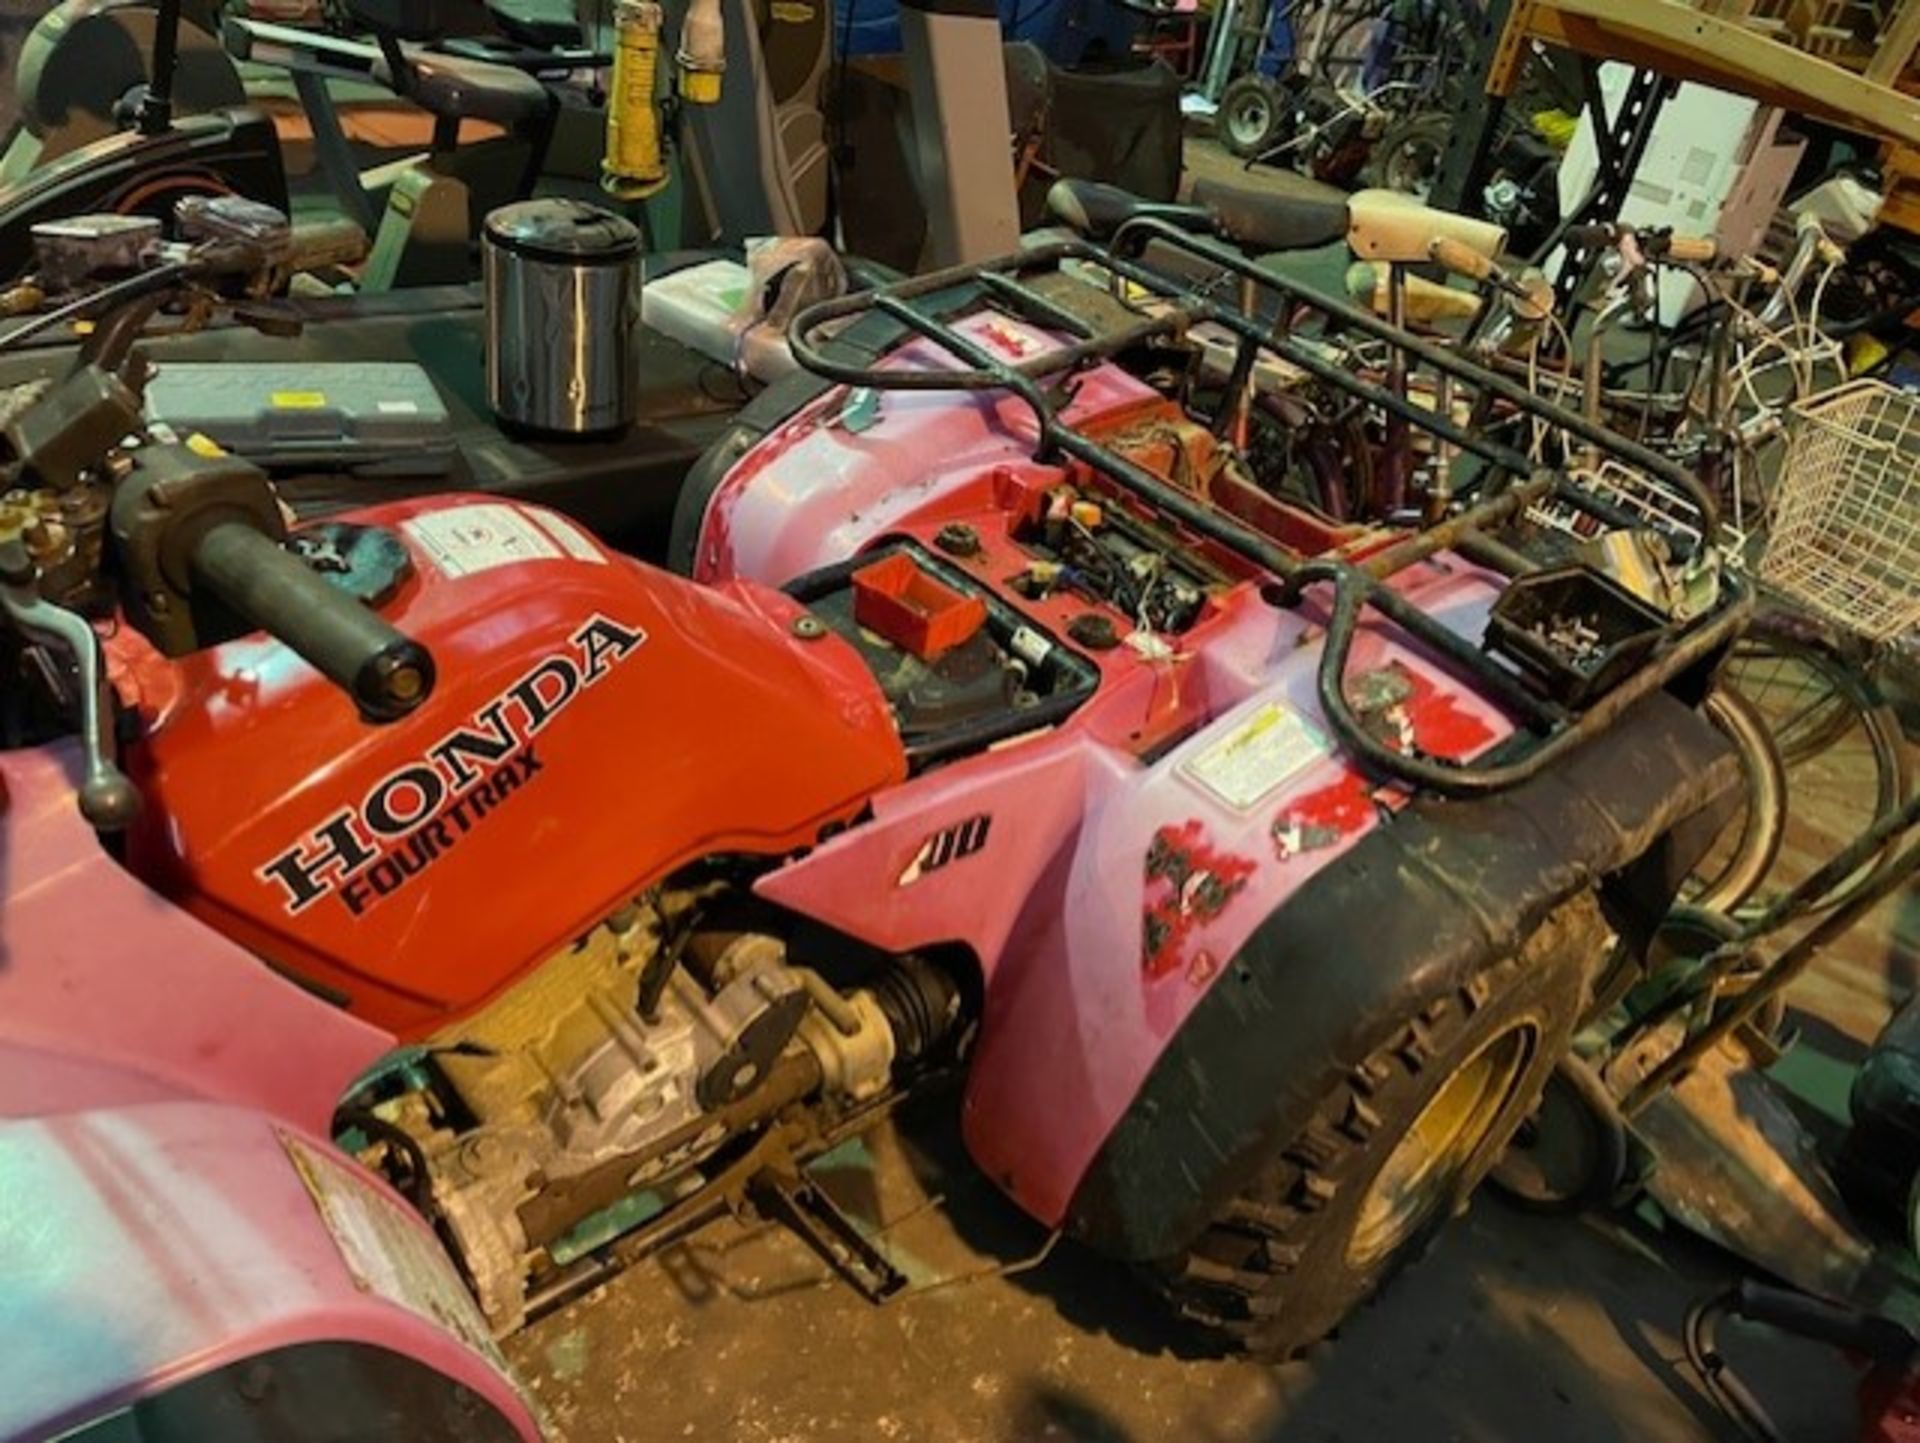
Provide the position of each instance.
(156, 105)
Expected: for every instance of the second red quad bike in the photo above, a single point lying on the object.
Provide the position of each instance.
(1252, 869)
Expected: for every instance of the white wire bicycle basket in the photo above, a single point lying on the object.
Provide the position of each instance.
(1641, 496)
(1845, 534)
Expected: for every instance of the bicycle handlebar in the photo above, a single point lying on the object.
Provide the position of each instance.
(1656, 243)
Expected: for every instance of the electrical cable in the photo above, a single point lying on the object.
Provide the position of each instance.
(1697, 1336)
(133, 286)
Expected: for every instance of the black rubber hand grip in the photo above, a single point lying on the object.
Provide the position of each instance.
(1589, 235)
(1878, 1338)
(387, 674)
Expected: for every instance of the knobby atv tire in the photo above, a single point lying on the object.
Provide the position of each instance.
(1273, 1274)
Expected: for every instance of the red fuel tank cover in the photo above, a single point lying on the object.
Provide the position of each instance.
(596, 724)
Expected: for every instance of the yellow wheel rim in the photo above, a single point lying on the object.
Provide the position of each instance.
(1421, 1171)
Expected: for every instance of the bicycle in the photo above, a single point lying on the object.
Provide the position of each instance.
(1730, 391)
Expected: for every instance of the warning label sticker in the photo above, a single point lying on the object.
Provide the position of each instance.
(466, 540)
(1257, 756)
(387, 1253)
(577, 543)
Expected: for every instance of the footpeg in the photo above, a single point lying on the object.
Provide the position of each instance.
(799, 1202)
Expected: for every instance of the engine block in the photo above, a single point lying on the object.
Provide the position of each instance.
(578, 1070)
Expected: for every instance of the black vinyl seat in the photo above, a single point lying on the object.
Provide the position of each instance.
(1260, 221)
(457, 88)
(1264, 221)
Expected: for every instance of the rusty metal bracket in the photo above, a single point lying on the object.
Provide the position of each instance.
(784, 1192)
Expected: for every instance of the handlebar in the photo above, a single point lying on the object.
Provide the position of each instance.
(1881, 1339)
(1692, 249)
(386, 673)
(321, 244)
(1462, 259)
(1655, 243)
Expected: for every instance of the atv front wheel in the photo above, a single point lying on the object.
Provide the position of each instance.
(1394, 1149)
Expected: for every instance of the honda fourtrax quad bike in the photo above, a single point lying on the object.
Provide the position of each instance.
(438, 872)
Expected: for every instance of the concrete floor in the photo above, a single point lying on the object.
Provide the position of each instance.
(1514, 1328)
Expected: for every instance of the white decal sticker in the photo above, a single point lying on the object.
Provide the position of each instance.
(577, 543)
(1257, 756)
(466, 540)
(387, 1253)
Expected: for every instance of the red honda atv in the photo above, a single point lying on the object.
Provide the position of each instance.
(1253, 869)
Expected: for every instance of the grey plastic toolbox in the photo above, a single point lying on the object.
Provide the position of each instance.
(348, 413)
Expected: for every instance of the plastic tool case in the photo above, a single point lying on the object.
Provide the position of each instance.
(384, 416)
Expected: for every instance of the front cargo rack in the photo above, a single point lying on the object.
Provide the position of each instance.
(1162, 306)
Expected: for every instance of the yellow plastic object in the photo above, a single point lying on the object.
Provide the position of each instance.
(700, 87)
(202, 444)
(1864, 352)
(21, 299)
(634, 167)
(1556, 127)
(1087, 513)
(1426, 301)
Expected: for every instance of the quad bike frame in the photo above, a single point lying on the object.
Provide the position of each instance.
(184, 1250)
(1115, 1089)
(1618, 792)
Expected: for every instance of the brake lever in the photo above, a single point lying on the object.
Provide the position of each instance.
(108, 800)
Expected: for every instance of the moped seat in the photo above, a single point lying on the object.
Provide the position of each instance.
(1097, 210)
(1262, 221)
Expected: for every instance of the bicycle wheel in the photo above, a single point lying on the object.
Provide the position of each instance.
(1840, 745)
(1747, 847)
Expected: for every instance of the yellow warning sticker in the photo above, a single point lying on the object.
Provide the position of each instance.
(1270, 745)
(299, 400)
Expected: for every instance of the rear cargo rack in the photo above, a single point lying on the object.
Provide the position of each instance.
(1357, 585)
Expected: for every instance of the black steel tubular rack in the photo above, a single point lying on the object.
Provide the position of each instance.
(1356, 585)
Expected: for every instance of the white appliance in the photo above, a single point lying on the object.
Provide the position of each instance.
(1717, 165)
